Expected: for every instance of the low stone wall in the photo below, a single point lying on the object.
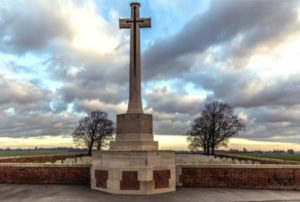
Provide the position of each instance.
(44, 174)
(285, 177)
(40, 159)
(250, 176)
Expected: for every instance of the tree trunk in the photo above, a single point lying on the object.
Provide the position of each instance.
(99, 144)
(90, 148)
(213, 149)
(207, 150)
(90, 151)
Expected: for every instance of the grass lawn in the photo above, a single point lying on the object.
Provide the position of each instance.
(33, 152)
(289, 157)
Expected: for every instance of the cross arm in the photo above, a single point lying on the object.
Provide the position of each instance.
(123, 23)
(145, 22)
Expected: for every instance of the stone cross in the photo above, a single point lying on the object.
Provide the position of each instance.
(134, 24)
(133, 164)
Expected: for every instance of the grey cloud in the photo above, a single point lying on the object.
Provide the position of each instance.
(87, 106)
(235, 88)
(94, 82)
(173, 111)
(276, 114)
(58, 106)
(273, 131)
(99, 76)
(24, 125)
(27, 110)
(30, 27)
(171, 128)
(106, 93)
(171, 123)
(164, 100)
(258, 20)
(14, 91)
(95, 67)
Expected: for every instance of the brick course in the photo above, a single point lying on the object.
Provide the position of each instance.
(44, 175)
(252, 178)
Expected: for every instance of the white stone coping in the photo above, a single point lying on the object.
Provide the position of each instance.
(40, 155)
(116, 151)
(42, 165)
(127, 152)
(279, 166)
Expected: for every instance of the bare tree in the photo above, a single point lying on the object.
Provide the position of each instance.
(199, 136)
(104, 135)
(93, 129)
(216, 124)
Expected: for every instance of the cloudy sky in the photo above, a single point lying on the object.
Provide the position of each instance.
(62, 59)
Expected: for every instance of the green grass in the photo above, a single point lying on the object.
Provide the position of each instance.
(12, 153)
(289, 157)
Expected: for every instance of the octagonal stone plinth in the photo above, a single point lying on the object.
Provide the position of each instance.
(133, 172)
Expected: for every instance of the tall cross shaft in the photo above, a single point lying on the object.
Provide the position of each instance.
(134, 24)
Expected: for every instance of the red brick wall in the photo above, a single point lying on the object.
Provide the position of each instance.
(40, 159)
(252, 178)
(44, 175)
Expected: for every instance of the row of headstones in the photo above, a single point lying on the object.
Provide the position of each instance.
(180, 159)
(77, 160)
(195, 159)
(234, 161)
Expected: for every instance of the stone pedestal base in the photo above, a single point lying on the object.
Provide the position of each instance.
(133, 172)
(133, 145)
(134, 132)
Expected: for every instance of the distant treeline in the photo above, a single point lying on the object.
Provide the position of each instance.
(72, 149)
